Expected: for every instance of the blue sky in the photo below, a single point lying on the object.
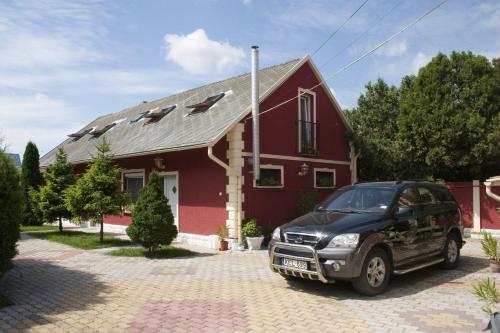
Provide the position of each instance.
(64, 63)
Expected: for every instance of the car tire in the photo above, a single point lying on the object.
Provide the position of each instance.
(375, 273)
(451, 252)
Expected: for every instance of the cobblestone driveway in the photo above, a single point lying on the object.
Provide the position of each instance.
(60, 289)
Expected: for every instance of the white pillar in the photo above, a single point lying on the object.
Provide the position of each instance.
(476, 205)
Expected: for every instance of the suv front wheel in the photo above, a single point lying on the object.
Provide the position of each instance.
(375, 274)
(451, 253)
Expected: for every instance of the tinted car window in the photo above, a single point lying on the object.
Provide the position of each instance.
(443, 194)
(408, 197)
(426, 196)
(369, 199)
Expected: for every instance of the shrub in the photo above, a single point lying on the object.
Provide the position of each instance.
(10, 212)
(251, 229)
(490, 247)
(152, 219)
(486, 290)
(306, 202)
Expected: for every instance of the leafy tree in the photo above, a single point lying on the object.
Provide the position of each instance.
(58, 177)
(10, 212)
(31, 178)
(375, 129)
(152, 219)
(96, 193)
(449, 121)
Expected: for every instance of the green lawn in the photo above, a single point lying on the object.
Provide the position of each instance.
(27, 228)
(81, 240)
(4, 302)
(162, 252)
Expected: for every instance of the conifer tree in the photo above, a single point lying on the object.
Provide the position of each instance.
(152, 218)
(31, 178)
(96, 193)
(58, 177)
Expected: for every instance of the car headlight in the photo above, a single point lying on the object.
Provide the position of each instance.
(277, 234)
(344, 240)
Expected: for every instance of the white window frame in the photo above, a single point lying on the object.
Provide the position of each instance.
(303, 91)
(275, 167)
(325, 170)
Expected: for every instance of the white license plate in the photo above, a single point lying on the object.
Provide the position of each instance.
(294, 263)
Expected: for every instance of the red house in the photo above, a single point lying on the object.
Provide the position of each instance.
(200, 141)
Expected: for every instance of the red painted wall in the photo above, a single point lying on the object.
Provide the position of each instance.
(279, 136)
(462, 191)
(490, 218)
(201, 181)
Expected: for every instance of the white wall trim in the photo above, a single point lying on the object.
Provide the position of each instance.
(295, 158)
(275, 167)
(115, 228)
(325, 170)
(211, 241)
(476, 205)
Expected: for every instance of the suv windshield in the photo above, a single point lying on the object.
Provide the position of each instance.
(359, 199)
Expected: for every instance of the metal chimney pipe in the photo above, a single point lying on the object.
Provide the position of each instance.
(255, 113)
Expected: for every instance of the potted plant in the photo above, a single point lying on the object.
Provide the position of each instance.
(222, 233)
(490, 248)
(253, 234)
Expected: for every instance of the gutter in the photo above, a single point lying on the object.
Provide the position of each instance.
(230, 172)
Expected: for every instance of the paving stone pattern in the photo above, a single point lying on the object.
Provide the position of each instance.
(59, 289)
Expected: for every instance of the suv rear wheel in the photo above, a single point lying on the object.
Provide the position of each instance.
(451, 252)
(375, 273)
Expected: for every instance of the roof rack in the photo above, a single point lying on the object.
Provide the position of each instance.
(157, 114)
(206, 104)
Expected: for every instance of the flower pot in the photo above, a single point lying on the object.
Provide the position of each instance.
(254, 243)
(495, 266)
(223, 245)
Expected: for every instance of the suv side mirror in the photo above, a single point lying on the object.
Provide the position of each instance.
(404, 211)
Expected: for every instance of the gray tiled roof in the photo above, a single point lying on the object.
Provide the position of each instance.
(177, 129)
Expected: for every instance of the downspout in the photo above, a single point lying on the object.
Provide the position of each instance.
(238, 189)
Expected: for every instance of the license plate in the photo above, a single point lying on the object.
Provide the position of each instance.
(295, 263)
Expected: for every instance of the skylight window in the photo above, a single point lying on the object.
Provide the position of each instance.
(139, 116)
(102, 129)
(206, 104)
(157, 114)
(79, 134)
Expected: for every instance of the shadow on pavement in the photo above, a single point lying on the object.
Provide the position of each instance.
(399, 285)
(40, 289)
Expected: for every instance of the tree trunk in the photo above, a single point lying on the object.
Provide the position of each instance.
(101, 233)
(60, 224)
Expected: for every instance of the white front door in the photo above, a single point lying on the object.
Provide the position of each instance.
(171, 190)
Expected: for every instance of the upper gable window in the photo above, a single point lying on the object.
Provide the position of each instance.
(206, 104)
(308, 128)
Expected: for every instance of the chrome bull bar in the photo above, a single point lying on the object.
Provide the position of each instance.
(297, 271)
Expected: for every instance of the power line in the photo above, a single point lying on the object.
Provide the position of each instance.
(362, 34)
(366, 54)
(338, 29)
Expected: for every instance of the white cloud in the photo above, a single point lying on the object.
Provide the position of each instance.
(199, 55)
(247, 2)
(489, 15)
(36, 117)
(420, 60)
(395, 49)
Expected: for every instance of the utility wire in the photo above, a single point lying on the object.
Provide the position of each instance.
(338, 29)
(362, 34)
(366, 54)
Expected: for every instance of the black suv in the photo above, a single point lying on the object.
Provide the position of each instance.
(368, 231)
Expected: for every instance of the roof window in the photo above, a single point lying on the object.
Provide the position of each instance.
(139, 116)
(79, 134)
(157, 114)
(206, 104)
(102, 129)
